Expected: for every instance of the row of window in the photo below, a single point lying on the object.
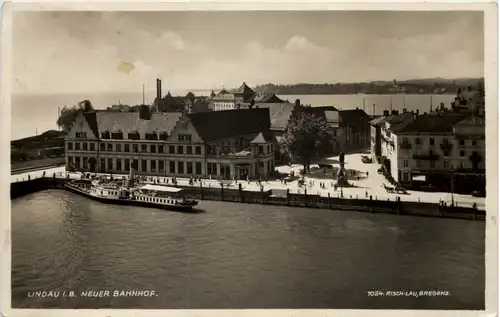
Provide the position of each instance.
(135, 136)
(135, 148)
(420, 141)
(123, 165)
(156, 200)
(432, 163)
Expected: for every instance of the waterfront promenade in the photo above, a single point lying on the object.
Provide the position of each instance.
(366, 186)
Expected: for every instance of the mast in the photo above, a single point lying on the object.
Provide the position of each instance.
(143, 102)
(431, 105)
(364, 99)
(373, 113)
(390, 104)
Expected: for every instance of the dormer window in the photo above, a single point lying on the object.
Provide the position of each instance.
(152, 136)
(163, 136)
(134, 135)
(117, 135)
(105, 135)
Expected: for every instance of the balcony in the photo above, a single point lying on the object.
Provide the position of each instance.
(405, 146)
(446, 146)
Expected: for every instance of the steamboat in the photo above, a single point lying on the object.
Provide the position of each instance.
(127, 192)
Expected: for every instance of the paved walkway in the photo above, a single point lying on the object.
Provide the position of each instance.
(371, 185)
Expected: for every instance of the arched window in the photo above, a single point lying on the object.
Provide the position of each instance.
(105, 135)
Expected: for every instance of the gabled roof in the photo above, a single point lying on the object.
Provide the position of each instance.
(244, 90)
(217, 125)
(430, 123)
(268, 98)
(279, 113)
(354, 116)
(128, 122)
(263, 137)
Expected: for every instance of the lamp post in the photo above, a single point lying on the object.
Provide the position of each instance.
(452, 184)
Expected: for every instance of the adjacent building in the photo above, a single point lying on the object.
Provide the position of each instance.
(241, 98)
(173, 143)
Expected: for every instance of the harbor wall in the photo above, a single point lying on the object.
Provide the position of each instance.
(288, 199)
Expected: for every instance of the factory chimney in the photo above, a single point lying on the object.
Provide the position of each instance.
(158, 88)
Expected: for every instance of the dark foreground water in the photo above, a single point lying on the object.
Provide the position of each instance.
(239, 256)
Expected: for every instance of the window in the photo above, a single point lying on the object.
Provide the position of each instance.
(171, 167)
(431, 141)
(134, 136)
(161, 166)
(189, 168)
(161, 149)
(77, 146)
(110, 164)
(81, 135)
(261, 149)
(189, 150)
(92, 147)
(474, 142)
(171, 149)
(85, 146)
(118, 147)
(432, 164)
(261, 164)
(151, 136)
(85, 162)
(127, 164)
(462, 142)
(70, 146)
(153, 148)
(153, 165)
(144, 148)
(180, 149)
(105, 135)
(163, 136)
(405, 177)
(103, 147)
(102, 164)
(110, 147)
(197, 149)
(417, 141)
(419, 163)
(117, 135)
(180, 167)
(197, 168)
(118, 164)
(135, 148)
(405, 163)
(446, 153)
(135, 164)
(446, 164)
(144, 165)
(462, 153)
(184, 137)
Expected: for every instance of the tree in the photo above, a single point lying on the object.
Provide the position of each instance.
(68, 114)
(305, 135)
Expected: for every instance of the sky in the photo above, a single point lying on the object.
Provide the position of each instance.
(75, 52)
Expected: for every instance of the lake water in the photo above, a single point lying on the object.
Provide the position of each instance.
(240, 256)
(32, 114)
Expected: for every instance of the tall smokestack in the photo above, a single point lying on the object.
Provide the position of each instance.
(158, 88)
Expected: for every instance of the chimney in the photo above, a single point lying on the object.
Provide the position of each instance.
(386, 113)
(396, 112)
(158, 88)
(441, 106)
(417, 111)
(297, 102)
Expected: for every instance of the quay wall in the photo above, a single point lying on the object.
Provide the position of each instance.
(288, 199)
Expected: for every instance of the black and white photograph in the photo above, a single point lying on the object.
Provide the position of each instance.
(192, 158)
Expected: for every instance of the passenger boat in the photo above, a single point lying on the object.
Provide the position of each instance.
(145, 195)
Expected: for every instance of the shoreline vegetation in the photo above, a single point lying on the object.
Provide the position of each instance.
(414, 86)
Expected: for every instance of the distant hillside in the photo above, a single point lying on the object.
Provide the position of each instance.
(412, 86)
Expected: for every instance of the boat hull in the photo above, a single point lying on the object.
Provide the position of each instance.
(131, 202)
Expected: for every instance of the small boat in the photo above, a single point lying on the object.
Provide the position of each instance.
(148, 195)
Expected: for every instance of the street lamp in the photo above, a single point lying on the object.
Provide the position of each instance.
(452, 184)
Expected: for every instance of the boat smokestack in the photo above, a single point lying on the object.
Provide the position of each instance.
(131, 176)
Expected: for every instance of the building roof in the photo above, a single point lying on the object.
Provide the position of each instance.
(129, 122)
(430, 123)
(378, 120)
(244, 90)
(279, 113)
(160, 188)
(226, 96)
(217, 125)
(354, 117)
(263, 137)
(268, 98)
